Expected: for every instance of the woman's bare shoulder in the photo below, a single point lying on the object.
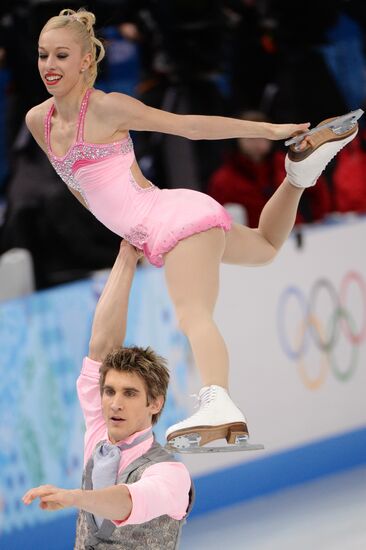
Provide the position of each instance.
(107, 102)
(113, 109)
(35, 116)
(34, 120)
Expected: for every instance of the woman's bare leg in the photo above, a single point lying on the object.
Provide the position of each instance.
(245, 246)
(192, 275)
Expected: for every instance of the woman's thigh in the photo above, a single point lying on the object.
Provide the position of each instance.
(192, 269)
(246, 246)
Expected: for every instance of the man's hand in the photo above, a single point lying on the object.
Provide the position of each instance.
(51, 498)
(112, 503)
(129, 252)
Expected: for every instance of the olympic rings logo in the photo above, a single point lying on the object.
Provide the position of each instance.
(300, 327)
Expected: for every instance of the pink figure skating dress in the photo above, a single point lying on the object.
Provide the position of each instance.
(151, 219)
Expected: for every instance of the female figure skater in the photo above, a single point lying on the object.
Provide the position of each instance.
(84, 132)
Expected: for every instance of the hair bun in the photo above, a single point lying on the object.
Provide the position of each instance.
(87, 18)
(83, 16)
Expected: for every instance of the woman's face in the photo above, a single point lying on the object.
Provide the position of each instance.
(60, 60)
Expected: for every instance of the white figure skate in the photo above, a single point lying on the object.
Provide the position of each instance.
(305, 164)
(217, 418)
(338, 125)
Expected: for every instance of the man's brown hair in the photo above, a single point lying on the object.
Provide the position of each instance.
(144, 362)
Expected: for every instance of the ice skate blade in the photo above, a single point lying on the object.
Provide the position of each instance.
(339, 125)
(190, 443)
(225, 449)
(205, 434)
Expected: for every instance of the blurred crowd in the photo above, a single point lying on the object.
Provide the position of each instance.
(265, 60)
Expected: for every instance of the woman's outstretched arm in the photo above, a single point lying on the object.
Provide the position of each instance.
(131, 114)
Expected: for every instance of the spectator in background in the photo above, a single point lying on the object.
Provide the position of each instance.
(252, 172)
(347, 179)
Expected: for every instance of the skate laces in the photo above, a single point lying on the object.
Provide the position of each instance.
(205, 397)
(196, 397)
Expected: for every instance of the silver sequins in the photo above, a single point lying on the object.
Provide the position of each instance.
(137, 236)
(83, 151)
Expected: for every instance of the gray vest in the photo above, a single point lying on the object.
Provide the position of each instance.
(161, 533)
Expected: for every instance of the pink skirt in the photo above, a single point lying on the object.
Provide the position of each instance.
(176, 215)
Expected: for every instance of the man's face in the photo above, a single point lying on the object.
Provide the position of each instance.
(124, 405)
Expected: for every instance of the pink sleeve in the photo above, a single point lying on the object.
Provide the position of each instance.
(91, 405)
(162, 489)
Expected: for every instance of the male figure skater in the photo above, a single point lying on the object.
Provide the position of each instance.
(134, 495)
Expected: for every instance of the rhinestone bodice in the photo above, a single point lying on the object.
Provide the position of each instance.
(85, 151)
(81, 150)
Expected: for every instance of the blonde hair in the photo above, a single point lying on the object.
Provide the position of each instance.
(81, 23)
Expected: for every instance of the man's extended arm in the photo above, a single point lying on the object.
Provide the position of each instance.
(109, 324)
(110, 503)
(163, 489)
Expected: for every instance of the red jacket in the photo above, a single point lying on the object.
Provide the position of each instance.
(240, 180)
(349, 179)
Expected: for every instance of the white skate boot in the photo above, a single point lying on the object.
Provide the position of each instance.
(217, 418)
(304, 165)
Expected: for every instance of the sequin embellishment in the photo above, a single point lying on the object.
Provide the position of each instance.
(137, 236)
(138, 187)
(82, 150)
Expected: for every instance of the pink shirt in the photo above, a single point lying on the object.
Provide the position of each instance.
(163, 488)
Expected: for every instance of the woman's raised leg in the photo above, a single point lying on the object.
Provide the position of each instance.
(246, 246)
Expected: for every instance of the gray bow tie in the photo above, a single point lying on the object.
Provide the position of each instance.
(106, 464)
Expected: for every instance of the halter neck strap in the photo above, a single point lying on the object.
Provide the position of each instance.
(81, 120)
(47, 126)
(82, 113)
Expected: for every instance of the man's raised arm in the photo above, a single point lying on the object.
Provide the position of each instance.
(110, 318)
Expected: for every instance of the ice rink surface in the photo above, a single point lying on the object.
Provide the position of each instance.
(326, 514)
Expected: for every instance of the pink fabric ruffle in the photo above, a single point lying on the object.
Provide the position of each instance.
(156, 254)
